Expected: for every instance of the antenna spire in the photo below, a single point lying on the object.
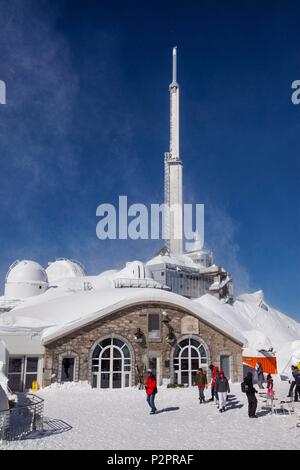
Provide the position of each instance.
(175, 64)
(173, 172)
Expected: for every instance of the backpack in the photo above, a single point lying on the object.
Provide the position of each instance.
(244, 387)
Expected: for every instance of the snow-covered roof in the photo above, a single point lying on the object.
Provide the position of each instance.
(181, 260)
(60, 314)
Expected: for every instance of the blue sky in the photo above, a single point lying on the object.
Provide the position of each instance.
(87, 119)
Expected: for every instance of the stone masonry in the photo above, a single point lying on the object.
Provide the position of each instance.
(124, 324)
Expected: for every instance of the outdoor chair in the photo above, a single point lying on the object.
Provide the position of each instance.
(283, 405)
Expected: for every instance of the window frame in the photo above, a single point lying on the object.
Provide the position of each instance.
(100, 376)
(23, 374)
(68, 355)
(153, 337)
(187, 344)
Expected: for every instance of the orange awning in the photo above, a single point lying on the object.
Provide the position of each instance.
(269, 364)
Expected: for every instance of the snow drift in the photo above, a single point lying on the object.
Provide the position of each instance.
(263, 327)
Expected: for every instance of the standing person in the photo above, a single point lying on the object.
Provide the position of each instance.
(222, 388)
(270, 390)
(211, 368)
(292, 380)
(151, 390)
(260, 375)
(250, 392)
(270, 385)
(214, 373)
(215, 377)
(201, 382)
(297, 384)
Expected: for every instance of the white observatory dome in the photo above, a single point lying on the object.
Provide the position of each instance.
(64, 269)
(25, 279)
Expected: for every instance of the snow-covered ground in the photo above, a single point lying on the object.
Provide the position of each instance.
(78, 417)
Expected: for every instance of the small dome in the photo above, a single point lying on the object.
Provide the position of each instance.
(25, 279)
(64, 269)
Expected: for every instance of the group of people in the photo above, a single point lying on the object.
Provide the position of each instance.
(219, 386)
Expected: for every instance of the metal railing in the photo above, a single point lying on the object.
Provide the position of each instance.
(23, 418)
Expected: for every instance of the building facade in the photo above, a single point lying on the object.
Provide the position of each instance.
(112, 352)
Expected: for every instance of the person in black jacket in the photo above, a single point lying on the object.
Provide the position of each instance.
(251, 391)
(292, 382)
(297, 384)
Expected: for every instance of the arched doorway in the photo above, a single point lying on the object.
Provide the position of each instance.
(189, 355)
(111, 364)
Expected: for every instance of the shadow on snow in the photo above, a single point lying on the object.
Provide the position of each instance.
(171, 408)
(50, 427)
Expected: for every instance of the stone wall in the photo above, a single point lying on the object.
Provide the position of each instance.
(124, 323)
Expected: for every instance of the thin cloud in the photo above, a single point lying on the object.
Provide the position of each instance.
(222, 236)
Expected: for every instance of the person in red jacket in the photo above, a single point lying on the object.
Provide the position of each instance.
(151, 390)
(214, 375)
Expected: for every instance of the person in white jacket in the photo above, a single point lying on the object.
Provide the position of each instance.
(222, 388)
(260, 375)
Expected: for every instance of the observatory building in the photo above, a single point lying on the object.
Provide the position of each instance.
(59, 324)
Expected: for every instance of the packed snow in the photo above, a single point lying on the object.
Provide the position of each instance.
(262, 326)
(78, 417)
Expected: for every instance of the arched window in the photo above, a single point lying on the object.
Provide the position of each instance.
(111, 364)
(189, 355)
